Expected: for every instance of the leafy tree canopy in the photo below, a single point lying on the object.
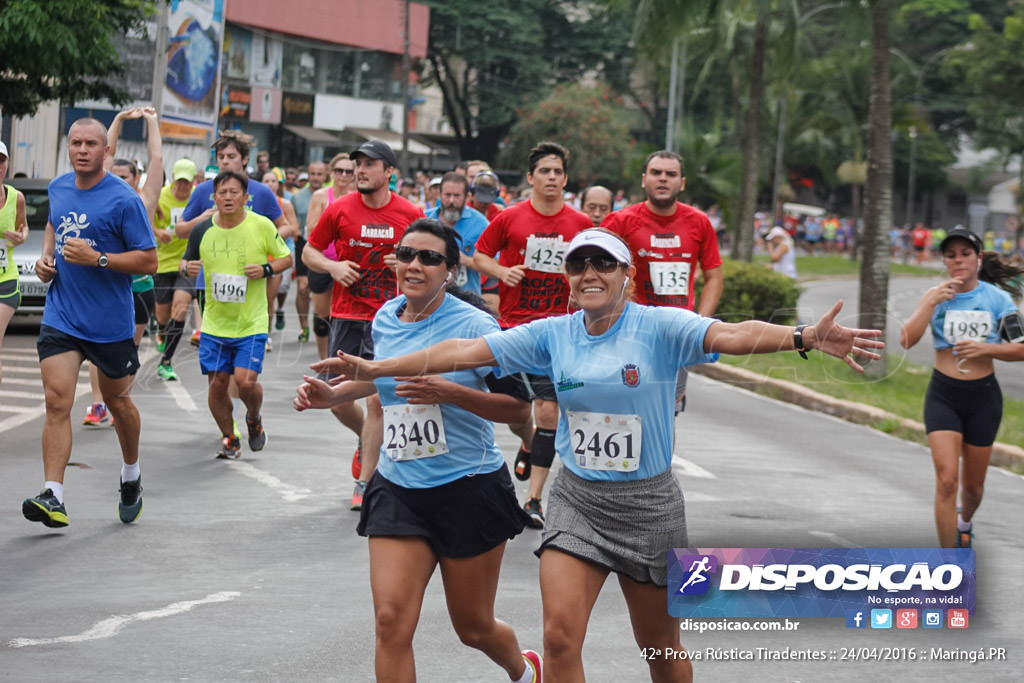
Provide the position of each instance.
(589, 121)
(63, 49)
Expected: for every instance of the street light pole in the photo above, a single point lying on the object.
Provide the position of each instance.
(909, 216)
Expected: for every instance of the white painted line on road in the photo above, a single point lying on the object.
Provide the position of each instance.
(31, 395)
(290, 493)
(22, 410)
(834, 538)
(690, 469)
(181, 396)
(110, 627)
(26, 417)
(26, 353)
(8, 381)
(17, 369)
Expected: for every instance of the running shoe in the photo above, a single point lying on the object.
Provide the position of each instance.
(161, 343)
(231, 448)
(257, 437)
(165, 372)
(966, 537)
(357, 464)
(535, 662)
(45, 508)
(522, 467)
(536, 513)
(194, 340)
(357, 495)
(304, 335)
(270, 345)
(97, 416)
(278, 320)
(129, 507)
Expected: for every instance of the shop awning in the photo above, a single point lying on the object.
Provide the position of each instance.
(394, 140)
(313, 135)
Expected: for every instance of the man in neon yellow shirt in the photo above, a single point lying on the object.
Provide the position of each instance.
(231, 247)
(173, 290)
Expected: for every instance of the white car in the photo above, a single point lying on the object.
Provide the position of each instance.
(37, 209)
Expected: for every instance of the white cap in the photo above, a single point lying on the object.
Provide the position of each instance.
(777, 232)
(593, 237)
(3, 150)
(434, 181)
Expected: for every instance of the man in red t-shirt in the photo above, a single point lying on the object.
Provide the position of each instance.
(364, 227)
(669, 241)
(531, 237)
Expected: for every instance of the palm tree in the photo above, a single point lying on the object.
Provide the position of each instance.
(874, 269)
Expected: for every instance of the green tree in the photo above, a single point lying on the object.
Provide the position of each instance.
(589, 121)
(487, 57)
(63, 50)
(992, 71)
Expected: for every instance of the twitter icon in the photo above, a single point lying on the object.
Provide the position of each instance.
(881, 618)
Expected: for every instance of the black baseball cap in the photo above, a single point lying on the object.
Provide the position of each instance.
(377, 149)
(964, 234)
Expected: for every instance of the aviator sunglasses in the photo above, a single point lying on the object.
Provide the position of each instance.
(428, 257)
(602, 264)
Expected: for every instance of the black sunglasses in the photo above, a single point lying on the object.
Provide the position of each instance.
(344, 171)
(428, 257)
(601, 264)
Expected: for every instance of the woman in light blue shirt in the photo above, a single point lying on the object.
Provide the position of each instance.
(615, 506)
(442, 494)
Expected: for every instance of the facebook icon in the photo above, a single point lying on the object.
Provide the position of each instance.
(856, 619)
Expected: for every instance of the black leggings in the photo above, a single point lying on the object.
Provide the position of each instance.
(973, 407)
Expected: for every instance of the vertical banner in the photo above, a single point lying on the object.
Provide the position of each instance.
(194, 43)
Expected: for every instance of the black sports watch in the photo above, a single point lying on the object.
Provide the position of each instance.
(102, 261)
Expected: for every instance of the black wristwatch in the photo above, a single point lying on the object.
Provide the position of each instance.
(103, 261)
(798, 341)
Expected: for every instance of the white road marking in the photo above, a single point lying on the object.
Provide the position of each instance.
(689, 469)
(21, 410)
(19, 370)
(181, 396)
(290, 493)
(31, 395)
(110, 627)
(834, 538)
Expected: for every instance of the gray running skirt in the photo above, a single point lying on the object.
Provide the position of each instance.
(625, 526)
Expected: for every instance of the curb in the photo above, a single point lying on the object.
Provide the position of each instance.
(1003, 454)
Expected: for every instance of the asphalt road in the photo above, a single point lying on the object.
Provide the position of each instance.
(252, 571)
(904, 295)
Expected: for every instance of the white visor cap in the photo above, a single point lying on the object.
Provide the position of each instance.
(592, 237)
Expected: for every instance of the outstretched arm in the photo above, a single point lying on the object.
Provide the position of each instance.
(827, 336)
(430, 389)
(446, 356)
(316, 393)
(155, 168)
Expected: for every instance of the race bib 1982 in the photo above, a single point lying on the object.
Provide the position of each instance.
(967, 325)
